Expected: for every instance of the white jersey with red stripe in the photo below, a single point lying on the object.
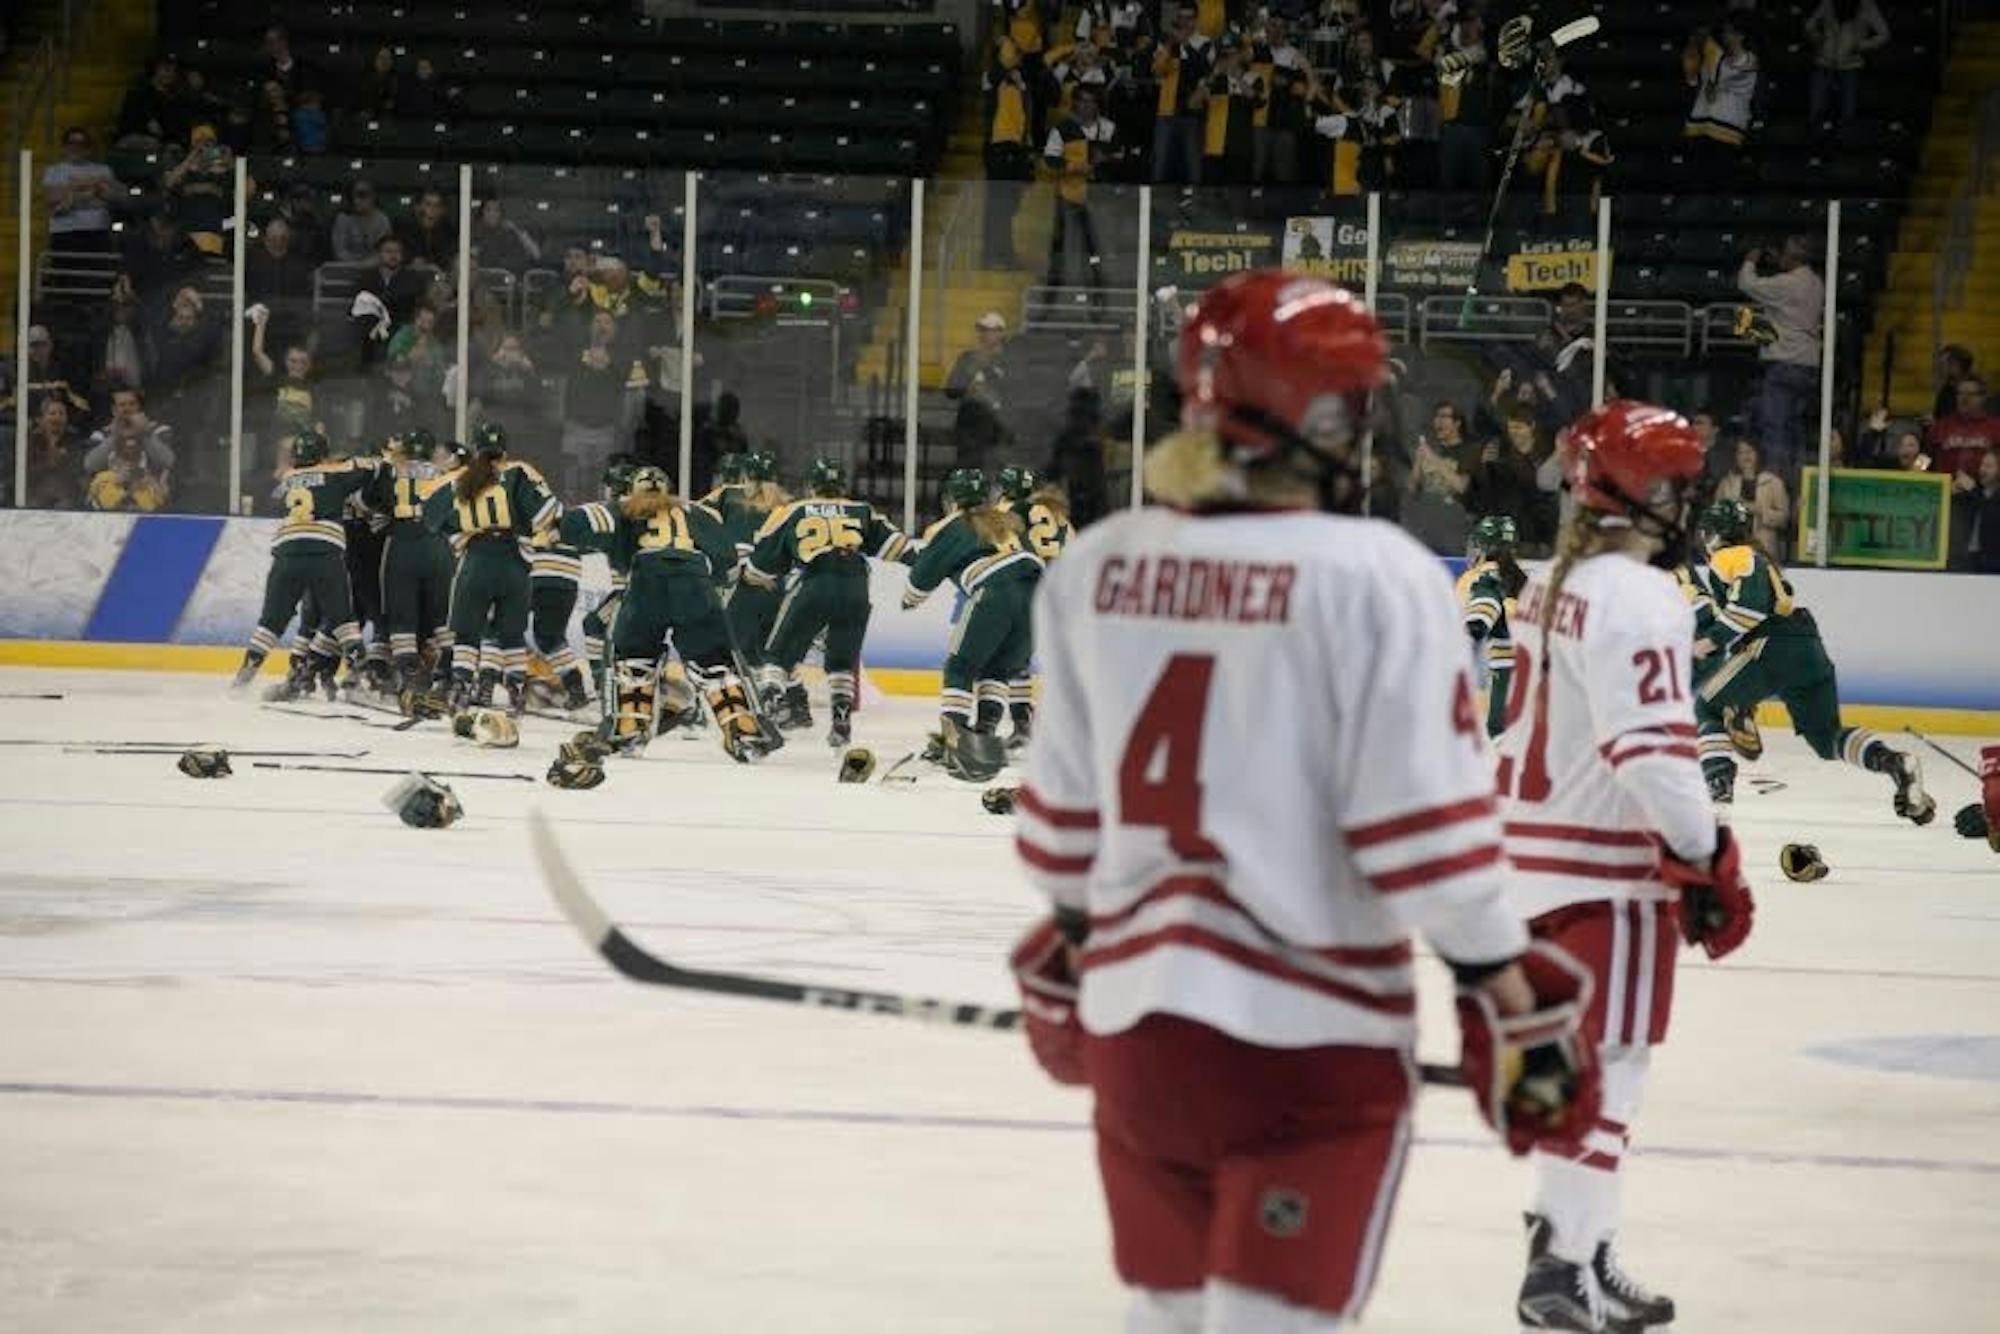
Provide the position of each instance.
(1257, 769)
(1598, 765)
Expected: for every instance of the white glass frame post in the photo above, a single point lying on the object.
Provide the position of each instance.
(238, 503)
(690, 188)
(1601, 326)
(461, 407)
(24, 290)
(1142, 361)
(1371, 289)
(912, 358)
(1829, 343)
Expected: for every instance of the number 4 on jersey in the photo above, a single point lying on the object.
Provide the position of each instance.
(1159, 777)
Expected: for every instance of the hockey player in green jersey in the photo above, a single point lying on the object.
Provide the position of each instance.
(1765, 646)
(1043, 511)
(829, 538)
(978, 547)
(497, 505)
(590, 528)
(416, 562)
(670, 601)
(555, 577)
(309, 563)
(1486, 591)
(745, 509)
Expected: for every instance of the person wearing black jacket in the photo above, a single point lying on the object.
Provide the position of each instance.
(1976, 517)
(1076, 460)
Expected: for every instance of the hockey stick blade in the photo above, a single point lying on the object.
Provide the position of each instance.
(629, 960)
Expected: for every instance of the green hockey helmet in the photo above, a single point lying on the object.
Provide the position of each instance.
(826, 475)
(308, 448)
(1727, 521)
(1017, 484)
(648, 480)
(759, 466)
(417, 443)
(1491, 536)
(489, 438)
(617, 478)
(965, 487)
(729, 468)
(460, 454)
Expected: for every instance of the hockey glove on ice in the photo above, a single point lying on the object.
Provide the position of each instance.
(1534, 1075)
(1042, 970)
(1716, 906)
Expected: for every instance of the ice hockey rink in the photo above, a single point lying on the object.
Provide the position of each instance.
(271, 1061)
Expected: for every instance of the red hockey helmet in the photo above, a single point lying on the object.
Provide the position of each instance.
(1274, 361)
(1619, 457)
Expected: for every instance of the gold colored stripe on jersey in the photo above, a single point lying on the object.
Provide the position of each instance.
(892, 546)
(980, 571)
(547, 565)
(317, 530)
(1732, 669)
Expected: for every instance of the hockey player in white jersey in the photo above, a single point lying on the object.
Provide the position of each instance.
(1612, 843)
(1258, 773)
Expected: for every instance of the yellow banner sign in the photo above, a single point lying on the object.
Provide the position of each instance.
(1544, 266)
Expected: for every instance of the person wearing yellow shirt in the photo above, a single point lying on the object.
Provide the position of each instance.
(1230, 98)
(1275, 126)
(1180, 67)
(1009, 162)
(1073, 151)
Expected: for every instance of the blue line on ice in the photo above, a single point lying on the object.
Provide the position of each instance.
(916, 1120)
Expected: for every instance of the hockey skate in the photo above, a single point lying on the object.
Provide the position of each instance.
(517, 697)
(1557, 1294)
(245, 675)
(1913, 803)
(841, 731)
(971, 755)
(1744, 737)
(1628, 1306)
(324, 671)
(1017, 740)
(793, 711)
(482, 693)
(298, 682)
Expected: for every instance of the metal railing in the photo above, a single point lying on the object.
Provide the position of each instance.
(1959, 246)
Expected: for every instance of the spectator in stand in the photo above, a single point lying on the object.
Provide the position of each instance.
(1723, 71)
(1439, 477)
(284, 68)
(305, 213)
(498, 242)
(424, 96)
(120, 345)
(1288, 85)
(1907, 454)
(506, 388)
(359, 228)
(1076, 460)
(1465, 101)
(600, 405)
(1958, 442)
(418, 344)
(1765, 493)
(1954, 363)
(398, 405)
(1976, 518)
(130, 463)
(1720, 458)
(1228, 100)
(1026, 33)
(152, 113)
(978, 383)
(78, 190)
(380, 84)
(311, 130)
(1793, 298)
(158, 259)
(185, 354)
(396, 286)
(1073, 151)
(279, 279)
(1503, 480)
(1842, 32)
(293, 401)
(271, 125)
(202, 187)
(55, 459)
(44, 379)
(429, 235)
(1180, 67)
(1009, 160)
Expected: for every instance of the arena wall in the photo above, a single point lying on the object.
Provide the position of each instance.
(106, 590)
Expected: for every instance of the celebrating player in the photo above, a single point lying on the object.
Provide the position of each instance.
(1768, 647)
(978, 547)
(830, 538)
(1258, 772)
(1043, 511)
(1486, 590)
(309, 569)
(416, 562)
(1608, 826)
(590, 527)
(745, 508)
(496, 504)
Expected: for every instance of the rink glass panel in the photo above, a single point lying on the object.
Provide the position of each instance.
(1066, 353)
(165, 331)
(798, 333)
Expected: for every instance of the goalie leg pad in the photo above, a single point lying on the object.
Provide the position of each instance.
(636, 682)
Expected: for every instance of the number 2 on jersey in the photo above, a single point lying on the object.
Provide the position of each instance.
(1159, 776)
(1535, 783)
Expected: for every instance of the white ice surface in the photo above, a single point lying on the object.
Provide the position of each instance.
(272, 1062)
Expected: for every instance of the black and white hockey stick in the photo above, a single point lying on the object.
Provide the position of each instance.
(1942, 751)
(29, 694)
(234, 754)
(394, 773)
(632, 961)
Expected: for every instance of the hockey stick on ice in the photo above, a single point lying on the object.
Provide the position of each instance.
(631, 961)
(233, 753)
(394, 773)
(1942, 751)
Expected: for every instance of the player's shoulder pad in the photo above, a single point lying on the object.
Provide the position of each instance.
(534, 474)
(1734, 563)
(937, 527)
(776, 519)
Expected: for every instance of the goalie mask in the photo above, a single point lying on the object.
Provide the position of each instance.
(422, 802)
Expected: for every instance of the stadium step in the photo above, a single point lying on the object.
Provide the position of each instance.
(1903, 311)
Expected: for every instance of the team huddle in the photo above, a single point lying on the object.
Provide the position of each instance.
(465, 569)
